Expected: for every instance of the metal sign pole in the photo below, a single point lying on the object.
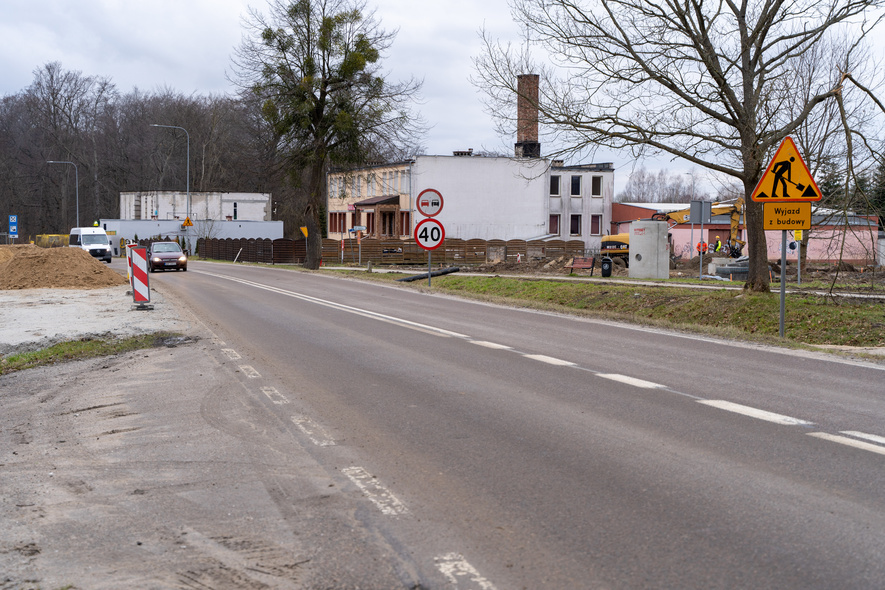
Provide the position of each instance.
(429, 266)
(783, 279)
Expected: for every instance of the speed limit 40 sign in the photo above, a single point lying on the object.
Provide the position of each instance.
(429, 234)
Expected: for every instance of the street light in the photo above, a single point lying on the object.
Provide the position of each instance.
(188, 179)
(76, 186)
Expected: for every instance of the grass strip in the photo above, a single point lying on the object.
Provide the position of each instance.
(737, 314)
(84, 348)
(809, 319)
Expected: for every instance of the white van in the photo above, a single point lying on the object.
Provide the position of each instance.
(92, 239)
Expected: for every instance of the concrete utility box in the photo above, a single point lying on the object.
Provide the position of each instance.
(649, 250)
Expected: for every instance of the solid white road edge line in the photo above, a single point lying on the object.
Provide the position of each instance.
(453, 566)
(380, 496)
(755, 412)
(844, 440)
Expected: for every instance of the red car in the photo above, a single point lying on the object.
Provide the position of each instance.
(166, 256)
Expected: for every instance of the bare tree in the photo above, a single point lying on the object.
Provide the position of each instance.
(663, 187)
(705, 82)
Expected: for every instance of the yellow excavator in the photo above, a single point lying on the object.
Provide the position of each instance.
(734, 210)
(616, 246)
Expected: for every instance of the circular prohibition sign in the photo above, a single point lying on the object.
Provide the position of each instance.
(429, 233)
(429, 203)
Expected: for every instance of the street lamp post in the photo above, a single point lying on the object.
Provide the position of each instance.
(187, 172)
(76, 186)
(188, 167)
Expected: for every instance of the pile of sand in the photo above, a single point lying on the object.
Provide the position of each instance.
(30, 267)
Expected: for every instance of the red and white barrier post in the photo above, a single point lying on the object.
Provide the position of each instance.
(141, 291)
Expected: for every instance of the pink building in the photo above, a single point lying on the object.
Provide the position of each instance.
(834, 236)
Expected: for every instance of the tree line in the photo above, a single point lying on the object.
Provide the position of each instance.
(308, 94)
(107, 136)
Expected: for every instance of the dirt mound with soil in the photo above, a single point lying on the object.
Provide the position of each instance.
(31, 267)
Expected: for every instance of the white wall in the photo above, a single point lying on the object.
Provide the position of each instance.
(169, 205)
(485, 198)
(216, 229)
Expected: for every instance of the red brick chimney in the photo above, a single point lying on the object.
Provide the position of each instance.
(527, 145)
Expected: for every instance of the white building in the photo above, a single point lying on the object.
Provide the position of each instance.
(483, 198)
(525, 197)
(218, 206)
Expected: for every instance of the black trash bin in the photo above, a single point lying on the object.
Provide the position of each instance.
(606, 267)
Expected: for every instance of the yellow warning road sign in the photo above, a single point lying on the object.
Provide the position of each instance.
(787, 178)
(187, 222)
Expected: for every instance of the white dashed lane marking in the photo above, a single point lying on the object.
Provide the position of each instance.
(870, 437)
(844, 440)
(274, 395)
(550, 360)
(380, 496)
(460, 573)
(231, 354)
(493, 345)
(631, 381)
(250, 372)
(755, 413)
(313, 431)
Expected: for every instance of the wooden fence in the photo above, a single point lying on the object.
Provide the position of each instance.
(452, 251)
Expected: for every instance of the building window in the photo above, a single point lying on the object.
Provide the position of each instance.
(405, 223)
(235, 210)
(576, 186)
(596, 186)
(554, 225)
(575, 226)
(370, 222)
(554, 186)
(595, 225)
(337, 222)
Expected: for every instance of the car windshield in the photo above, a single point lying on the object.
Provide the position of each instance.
(170, 247)
(89, 239)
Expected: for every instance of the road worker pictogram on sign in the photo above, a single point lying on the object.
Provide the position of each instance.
(787, 178)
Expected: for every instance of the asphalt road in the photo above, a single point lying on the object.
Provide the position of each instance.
(505, 448)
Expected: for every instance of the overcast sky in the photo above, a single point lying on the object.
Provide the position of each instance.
(186, 45)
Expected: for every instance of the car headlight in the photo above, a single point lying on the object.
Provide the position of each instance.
(155, 259)
(182, 259)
